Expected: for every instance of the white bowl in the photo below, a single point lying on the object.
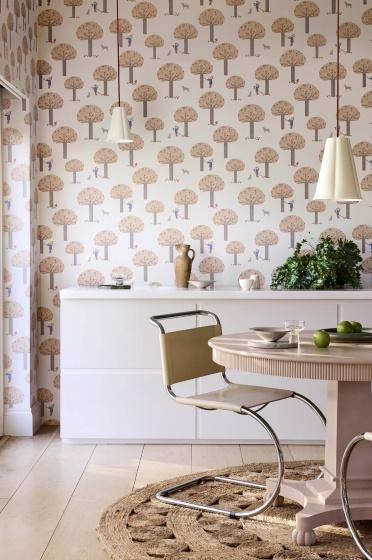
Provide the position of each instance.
(246, 283)
(270, 334)
(201, 284)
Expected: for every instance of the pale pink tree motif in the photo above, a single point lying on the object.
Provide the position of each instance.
(22, 346)
(362, 232)
(282, 191)
(73, 4)
(50, 102)
(267, 156)
(316, 124)
(305, 176)
(12, 310)
(367, 16)
(43, 68)
(211, 100)
(89, 31)
(145, 176)
(235, 83)
(91, 277)
(225, 217)
(201, 233)
(49, 19)
(7, 362)
(211, 183)
(266, 72)
(124, 27)
(235, 4)
(106, 156)
(210, 18)
(11, 224)
(292, 59)
(334, 233)
(131, 225)
(235, 248)
(186, 197)
(235, 165)
(90, 114)
(329, 72)
(7, 276)
(170, 73)
(50, 347)
(155, 207)
(130, 60)
(201, 150)
(74, 83)
(225, 135)
(51, 184)
(90, 197)
(105, 74)
(292, 141)
(185, 31)
(282, 25)
(292, 224)
(316, 206)
(348, 113)
(154, 124)
(43, 151)
(366, 183)
(154, 42)
(131, 147)
(200, 68)
(169, 238)
(43, 232)
(347, 206)
(74, 248)
(225, 52)
(252, 271)
(171, 155)
(185, 115)
(121, 192)
(64, 135)
(307, 10)
(106, 239)
(145, 258)
(57, 381)
(307, 93)
(367, 100)
(144, 94)
(316, 40)
(349, 31)
(282, 109)
(144, 11)
(363, 150)
(12, 396)
(251, 30)
(22, 259)
(64, 52)
(74, 166)
(367, 267)
(21, 173)
(57, 300)
(251, 196)
(44, 314)
(211, 266)
(51, 266)
(44, 396)
(266, 238)
(251, 113)
(123, 271)
(11, 137)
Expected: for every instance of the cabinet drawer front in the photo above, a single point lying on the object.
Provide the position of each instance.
(115, 334)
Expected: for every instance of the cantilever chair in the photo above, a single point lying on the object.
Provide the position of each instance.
(186, 355)
(345, 502)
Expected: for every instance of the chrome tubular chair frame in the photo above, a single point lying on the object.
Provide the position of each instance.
(272, 499)
(345, 502)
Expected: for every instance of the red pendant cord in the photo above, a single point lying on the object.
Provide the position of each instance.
(338, 67)
(117, 40)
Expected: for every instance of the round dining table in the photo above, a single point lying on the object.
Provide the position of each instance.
(348, 370)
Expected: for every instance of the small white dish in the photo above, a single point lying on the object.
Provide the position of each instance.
(270, 334)
(201, 284)
(246, 283)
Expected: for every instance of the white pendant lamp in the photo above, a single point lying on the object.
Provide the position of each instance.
(119, 130)
(338, 180)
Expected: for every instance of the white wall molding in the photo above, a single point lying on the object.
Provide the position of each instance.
(22, 422)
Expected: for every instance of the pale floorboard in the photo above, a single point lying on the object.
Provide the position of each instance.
(263, 454)
(306, 452)
(215, 456)
(160, 462)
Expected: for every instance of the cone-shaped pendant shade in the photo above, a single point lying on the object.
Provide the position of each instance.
(119, 130)
(338, 178)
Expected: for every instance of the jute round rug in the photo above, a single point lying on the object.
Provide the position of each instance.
(139, 527)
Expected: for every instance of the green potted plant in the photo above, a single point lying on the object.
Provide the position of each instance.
(329, 265)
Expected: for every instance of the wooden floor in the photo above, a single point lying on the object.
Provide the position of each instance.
(52, 494)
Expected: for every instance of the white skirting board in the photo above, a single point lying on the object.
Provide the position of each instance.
(24, 422)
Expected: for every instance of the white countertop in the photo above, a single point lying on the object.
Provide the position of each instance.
(217, 292)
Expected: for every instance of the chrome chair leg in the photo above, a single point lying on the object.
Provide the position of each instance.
(345, 502)
(164, 495)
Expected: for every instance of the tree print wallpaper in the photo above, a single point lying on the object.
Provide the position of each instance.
(229, 102)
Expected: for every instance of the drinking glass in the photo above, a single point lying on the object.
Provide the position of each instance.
(119, 279)
(294, 327)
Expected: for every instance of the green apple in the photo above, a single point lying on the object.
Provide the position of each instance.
(345, 327)
(357, 327)
(321, 339)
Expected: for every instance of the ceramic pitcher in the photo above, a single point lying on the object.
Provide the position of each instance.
(182, 265)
